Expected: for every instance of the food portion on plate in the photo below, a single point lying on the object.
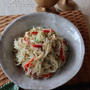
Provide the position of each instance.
(40, 52)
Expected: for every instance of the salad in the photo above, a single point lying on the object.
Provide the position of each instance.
(40, 52)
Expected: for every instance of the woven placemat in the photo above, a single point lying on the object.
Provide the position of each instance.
(76, 18)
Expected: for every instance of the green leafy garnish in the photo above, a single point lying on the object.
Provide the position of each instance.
(40, 37)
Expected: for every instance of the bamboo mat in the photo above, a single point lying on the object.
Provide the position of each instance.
(77, 19)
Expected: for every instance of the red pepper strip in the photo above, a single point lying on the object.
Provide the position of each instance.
(46, 31)
(64, 42)
(61, 54)
(25, 39)
(35, 33)
(29, 63)
(37, 45)
(47, 75)
(51, 30)
(30, 73)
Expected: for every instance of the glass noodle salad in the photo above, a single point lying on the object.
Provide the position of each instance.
(40, 52)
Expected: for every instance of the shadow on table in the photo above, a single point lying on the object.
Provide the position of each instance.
(78, 86)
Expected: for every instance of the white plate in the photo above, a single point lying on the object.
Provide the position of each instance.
(63, 27)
